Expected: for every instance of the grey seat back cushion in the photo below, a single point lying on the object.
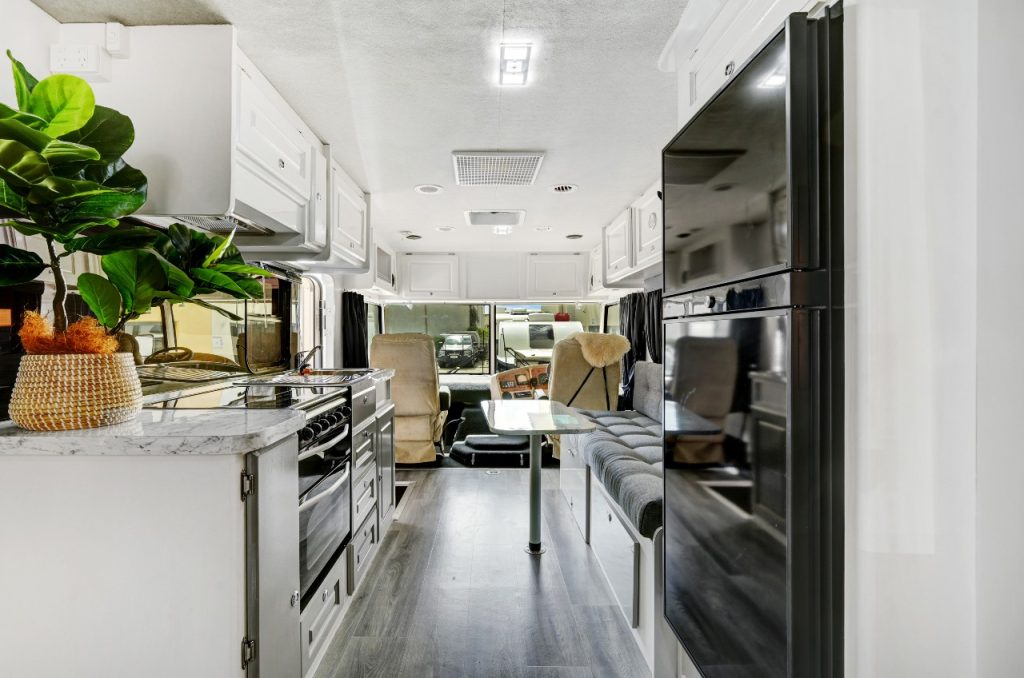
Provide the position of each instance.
(649, 389)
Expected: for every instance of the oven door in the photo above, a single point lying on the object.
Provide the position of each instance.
(728, 460)
(323, 520)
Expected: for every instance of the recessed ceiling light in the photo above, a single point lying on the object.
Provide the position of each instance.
(409, 235)
(514, 65)
(574, 236)
(542, 229)
(502, 229)
(428, 189)
(445, 229)
(564, 188)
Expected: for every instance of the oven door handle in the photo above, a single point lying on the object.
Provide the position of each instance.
(319, 449)
(309, 503)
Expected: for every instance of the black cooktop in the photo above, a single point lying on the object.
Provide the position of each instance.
(260, 397)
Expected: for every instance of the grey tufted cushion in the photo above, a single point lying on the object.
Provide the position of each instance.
(625, 454)
(649, 389)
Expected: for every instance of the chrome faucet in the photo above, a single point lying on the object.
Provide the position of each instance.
(304, 360)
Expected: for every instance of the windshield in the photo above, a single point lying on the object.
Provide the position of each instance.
(458, 341)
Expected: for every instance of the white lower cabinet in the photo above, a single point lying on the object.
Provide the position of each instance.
(573, 480)
(322, 616)
(617, 551)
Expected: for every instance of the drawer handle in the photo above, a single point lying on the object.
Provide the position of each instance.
(609, 517)
(280, 163)
(323, 596)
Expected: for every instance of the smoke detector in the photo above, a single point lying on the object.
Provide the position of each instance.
(495, 217)
(564, 188)
(496, 168)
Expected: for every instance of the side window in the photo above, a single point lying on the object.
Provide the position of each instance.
(373, 318)
(611, 319)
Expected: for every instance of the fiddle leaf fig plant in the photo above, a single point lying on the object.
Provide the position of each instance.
(63, 178)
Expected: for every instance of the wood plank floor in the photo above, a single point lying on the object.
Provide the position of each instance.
(452, 592)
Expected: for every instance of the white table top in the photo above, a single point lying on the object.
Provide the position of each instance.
(533, 417)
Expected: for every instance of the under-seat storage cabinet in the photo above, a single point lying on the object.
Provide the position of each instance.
(618, 552)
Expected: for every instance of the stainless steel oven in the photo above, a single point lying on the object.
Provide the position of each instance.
(325, 492)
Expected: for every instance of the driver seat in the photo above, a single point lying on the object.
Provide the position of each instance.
(421, 403)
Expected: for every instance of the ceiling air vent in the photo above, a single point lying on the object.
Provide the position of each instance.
(564, 188)
(495, 217)
(496, 168)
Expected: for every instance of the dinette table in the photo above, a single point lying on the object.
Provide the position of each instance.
(534, 418)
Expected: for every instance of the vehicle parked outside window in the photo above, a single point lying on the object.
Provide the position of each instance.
(526, 334)
(455, 328)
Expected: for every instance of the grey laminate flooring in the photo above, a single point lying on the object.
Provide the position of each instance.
(452, 592)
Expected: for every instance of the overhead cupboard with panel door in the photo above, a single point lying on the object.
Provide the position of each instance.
(224, 151)
(632, 242)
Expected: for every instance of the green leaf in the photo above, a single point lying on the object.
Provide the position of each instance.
(137, 275)
(253, 288)
(113, 241)
(12, 204)
(108, 131)
(20, 166)
(219, 249)
(242, 269)
(212, 280)
(11, 128)
(177, 280)
(66, 102)
(18, 266)
(102, 298)
(33, 121)
(108, 204)
(59, 152)
(24, 82)
(38, 229)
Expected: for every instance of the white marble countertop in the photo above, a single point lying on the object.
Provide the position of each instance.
(533, 417)
(161, 432)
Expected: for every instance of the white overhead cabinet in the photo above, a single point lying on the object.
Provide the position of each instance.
(493, 276)
(648, 228)
(595, 272)
(555, 275)
(633, 242)
(431, 276)
(224, 151)
(382, 276)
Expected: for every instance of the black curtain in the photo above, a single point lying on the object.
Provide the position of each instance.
(652, 324)
(631, 309)
(354, 351)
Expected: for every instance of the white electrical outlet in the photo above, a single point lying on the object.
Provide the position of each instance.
(90, 62)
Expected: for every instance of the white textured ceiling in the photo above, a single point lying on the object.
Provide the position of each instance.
(396, 86)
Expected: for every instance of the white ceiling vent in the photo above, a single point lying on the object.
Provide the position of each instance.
(496, 168)
(495, 217)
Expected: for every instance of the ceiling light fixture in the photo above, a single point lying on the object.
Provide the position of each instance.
(515, 64)
(502, 229)
(428, 189)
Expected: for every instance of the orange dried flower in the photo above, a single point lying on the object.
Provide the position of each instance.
(82, 336)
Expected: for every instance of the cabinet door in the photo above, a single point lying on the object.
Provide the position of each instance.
(618, 237)
(271, 140)
(348, 217)
(318, 205)
(386, 462)
(596, 272)
(554, 275)
(648, 233)
(494, 276)
(431, 275)
(384, 268)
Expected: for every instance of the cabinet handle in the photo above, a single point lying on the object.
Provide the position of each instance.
(729, 68)
(609, 517)
(280, 163)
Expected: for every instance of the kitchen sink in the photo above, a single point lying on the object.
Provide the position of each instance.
(340, 377)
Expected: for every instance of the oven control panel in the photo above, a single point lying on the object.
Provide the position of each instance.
(326, 424)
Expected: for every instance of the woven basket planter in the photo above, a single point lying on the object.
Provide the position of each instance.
(74, 391)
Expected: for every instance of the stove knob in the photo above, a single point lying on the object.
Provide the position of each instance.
(317, 427)
(306, 434)
(334, 418)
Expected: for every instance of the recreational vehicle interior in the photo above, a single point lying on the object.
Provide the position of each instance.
(525, 338)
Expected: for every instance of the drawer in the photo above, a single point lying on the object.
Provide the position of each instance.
(618, 552)
(364, 497)
(360, 550)
(364, 401)
(322, 615)
(364, 455)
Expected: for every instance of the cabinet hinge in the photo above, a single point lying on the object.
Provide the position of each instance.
(248, 485)
(248, 652)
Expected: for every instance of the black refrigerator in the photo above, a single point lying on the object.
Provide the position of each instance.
(753, 333)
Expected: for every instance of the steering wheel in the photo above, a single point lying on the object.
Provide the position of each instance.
(171, 354)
